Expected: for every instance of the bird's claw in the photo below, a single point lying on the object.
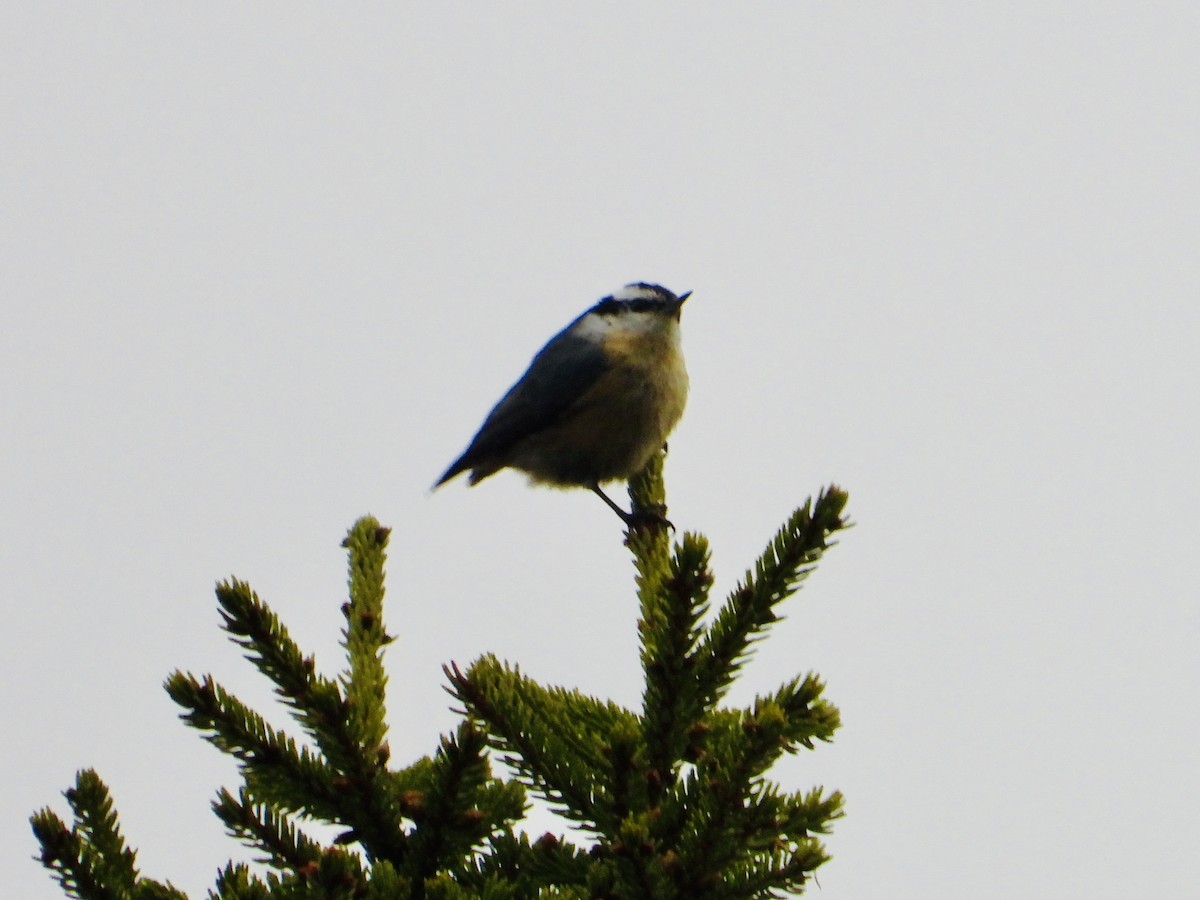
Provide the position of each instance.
(648, 518)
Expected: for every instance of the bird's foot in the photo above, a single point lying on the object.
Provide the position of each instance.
(650, 517)
(646, 518)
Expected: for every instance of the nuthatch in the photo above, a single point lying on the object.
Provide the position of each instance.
(596, 403)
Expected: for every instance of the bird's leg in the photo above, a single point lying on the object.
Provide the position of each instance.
(611, 505)
(636, 519)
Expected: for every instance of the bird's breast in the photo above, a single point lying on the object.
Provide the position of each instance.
(622, 419)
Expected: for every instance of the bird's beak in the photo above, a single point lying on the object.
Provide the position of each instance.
(679, 304)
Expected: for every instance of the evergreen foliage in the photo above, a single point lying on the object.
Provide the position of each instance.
(673, 798)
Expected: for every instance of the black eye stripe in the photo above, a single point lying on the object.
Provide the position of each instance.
(610, 307)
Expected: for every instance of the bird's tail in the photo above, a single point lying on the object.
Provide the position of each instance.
(456, 468)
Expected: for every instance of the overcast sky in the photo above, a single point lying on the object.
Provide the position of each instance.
(265, 267)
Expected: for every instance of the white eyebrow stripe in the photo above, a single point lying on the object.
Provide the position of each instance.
(638, 292)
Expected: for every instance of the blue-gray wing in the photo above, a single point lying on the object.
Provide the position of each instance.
(560, 374)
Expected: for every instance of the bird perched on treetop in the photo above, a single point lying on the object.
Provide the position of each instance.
(596, 403)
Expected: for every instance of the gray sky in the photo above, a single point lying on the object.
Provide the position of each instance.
(265, 269)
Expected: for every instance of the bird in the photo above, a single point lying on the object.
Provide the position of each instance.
(596, 403)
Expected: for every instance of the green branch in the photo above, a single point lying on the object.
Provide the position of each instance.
(750, 609)
(676, 795)
(556, 739)
(262, 827)
(90, 859)
(316, 701)
(673, 604)
(365, 682)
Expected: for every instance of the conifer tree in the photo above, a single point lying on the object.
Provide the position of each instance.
(672, 801)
